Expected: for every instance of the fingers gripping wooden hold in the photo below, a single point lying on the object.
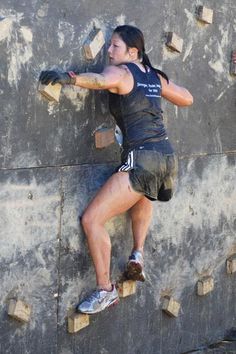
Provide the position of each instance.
(174, 42)
(19, 310)
(50, 92)
(94, 44)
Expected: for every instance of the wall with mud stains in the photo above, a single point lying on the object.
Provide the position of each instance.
(50, 169)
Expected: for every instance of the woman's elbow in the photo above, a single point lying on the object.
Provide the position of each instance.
(187, 101)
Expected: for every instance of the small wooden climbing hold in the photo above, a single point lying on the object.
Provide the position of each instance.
(204, 14)
(126, 288)
(233, 63)
(231, 264)
(51, 92)
(104, 137)
(205, 285)
(171, 306)
(174, 42)
(77, 321)
(94, 44)
(19, 310)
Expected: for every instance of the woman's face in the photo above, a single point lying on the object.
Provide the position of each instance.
(118, 51)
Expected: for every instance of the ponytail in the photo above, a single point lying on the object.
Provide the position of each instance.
(146, 61)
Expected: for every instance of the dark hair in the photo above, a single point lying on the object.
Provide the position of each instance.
(133, 38)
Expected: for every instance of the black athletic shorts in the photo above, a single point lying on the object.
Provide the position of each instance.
(151, 172)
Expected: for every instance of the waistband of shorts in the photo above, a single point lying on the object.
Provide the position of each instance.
(162, 146)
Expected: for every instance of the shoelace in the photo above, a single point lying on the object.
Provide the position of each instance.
(132, 257)
(135, 256)
(94, 295)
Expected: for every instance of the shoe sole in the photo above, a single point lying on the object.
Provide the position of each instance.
(114, 303)
(134, 271)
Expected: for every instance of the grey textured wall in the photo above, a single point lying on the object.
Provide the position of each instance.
(50, 168)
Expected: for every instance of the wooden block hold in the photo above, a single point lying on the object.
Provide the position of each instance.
(205, 285)
(19, 310)
(174, 42)
(94, 44)
(77, 321)
(51, 92)
(127, 288)
(171, 306)
(204, 14)
(231, 264)
(233, 63)
(104, 137)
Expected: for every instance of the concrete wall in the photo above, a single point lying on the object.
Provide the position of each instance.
(50, 168)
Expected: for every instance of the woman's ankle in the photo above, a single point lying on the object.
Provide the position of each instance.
(106, 287)
(137, 249)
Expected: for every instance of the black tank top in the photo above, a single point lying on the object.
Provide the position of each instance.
(139, 114)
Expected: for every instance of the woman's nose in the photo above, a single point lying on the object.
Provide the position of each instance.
(109, 50)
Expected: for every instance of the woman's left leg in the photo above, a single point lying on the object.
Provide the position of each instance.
(141, 215)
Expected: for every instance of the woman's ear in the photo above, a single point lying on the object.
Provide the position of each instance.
(133, 52)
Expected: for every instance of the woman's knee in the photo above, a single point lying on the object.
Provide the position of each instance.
(89, 220)
(86, 220)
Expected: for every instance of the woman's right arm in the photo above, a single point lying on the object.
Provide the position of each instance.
(111, 78)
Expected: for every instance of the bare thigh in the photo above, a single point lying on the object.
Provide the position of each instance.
(115, 197)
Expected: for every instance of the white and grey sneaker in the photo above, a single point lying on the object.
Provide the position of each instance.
(98, 301)
(134, 269)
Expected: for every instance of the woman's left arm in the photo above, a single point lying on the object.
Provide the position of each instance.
(177, 95)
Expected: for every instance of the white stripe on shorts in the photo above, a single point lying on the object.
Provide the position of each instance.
(129, 164)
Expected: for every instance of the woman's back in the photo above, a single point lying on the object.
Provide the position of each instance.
(138, 114)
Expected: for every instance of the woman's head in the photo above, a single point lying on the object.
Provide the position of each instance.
(127, 44)
(132, 37)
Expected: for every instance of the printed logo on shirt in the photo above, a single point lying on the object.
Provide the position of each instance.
(151, 90)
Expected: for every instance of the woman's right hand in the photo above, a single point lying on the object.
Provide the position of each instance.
(55, 77)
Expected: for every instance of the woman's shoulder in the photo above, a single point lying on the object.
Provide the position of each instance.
(116, 72)
(117, 68)
(121, 76)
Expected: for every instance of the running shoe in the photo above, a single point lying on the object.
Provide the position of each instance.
(98, 301)
(134, 269)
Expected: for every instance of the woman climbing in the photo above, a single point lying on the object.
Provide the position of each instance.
(148, 160)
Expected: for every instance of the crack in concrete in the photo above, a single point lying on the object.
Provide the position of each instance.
(181, 157)
(61, 192)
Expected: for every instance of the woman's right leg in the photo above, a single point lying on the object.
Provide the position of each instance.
(115, 197)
